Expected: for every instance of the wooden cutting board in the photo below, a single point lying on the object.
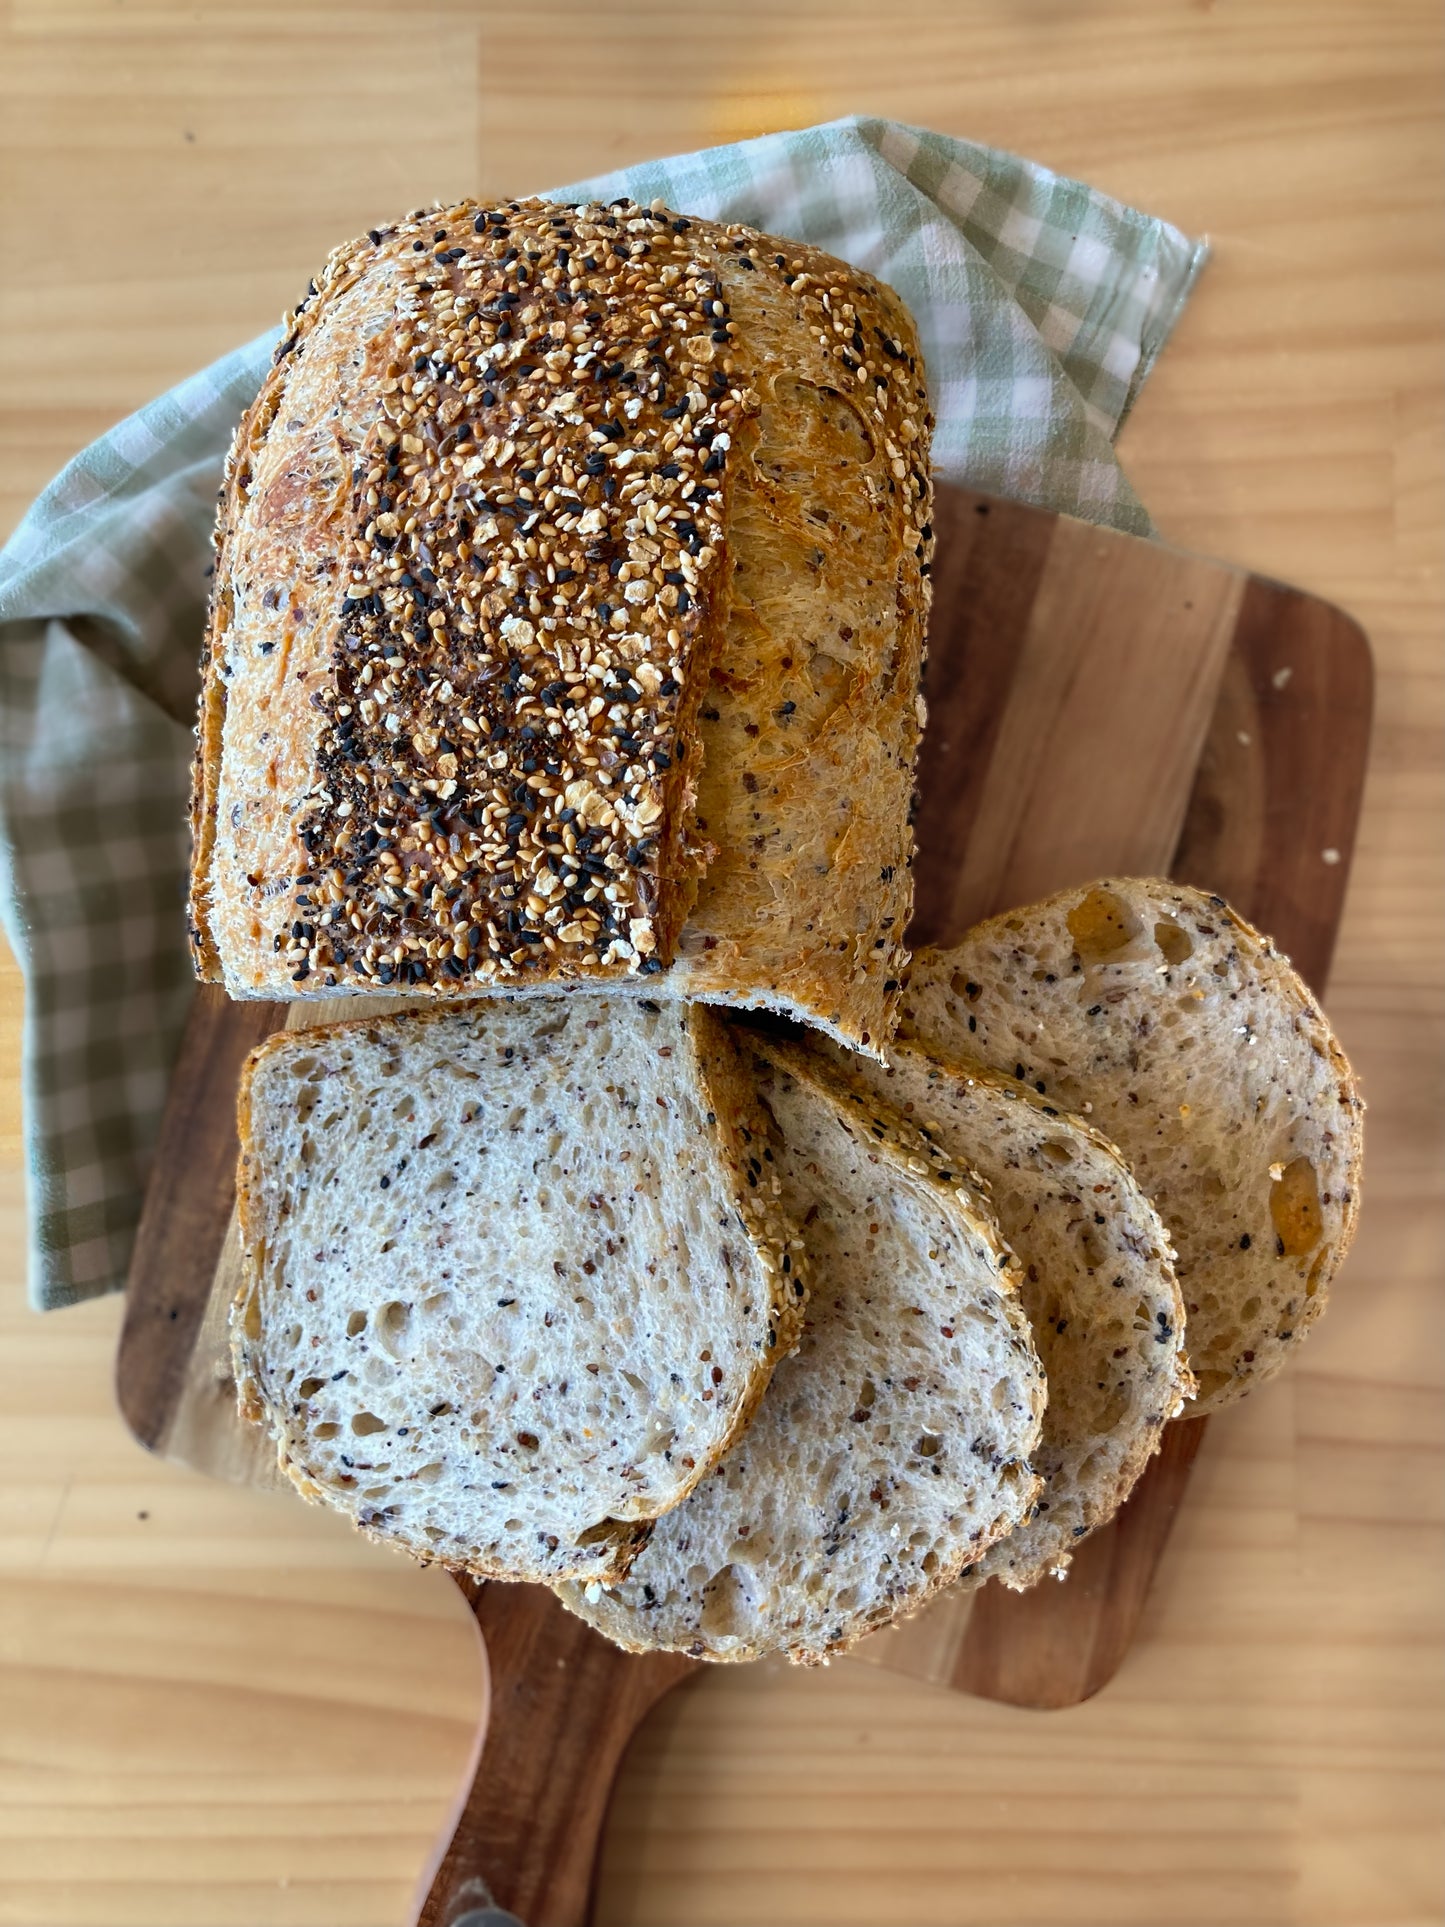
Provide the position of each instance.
(1097, 703)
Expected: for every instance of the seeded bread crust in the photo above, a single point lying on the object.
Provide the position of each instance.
(394, 1382)
(501, 561)
(892, 1448)
(1097, 1283)
(1195, 1047)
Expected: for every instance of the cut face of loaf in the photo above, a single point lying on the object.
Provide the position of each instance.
(892, 1448)
(1191, 1043)
(570, 583)
(1097, 1284)
(512, 1282)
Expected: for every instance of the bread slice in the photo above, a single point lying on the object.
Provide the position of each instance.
(1190, 1042)
(512, 1283)
(892, 1448)
(1098, 1286)
(545, 517)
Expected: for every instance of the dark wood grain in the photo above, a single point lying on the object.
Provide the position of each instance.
(987, 565)
(1060, 1643)
(563, 1707)
(1037, 770)
(1271, 821)
(187, 1208)
(1271, 826)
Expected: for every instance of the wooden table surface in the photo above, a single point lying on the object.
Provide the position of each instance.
(220, 1707)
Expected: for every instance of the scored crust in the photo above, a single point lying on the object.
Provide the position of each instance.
(473, 576)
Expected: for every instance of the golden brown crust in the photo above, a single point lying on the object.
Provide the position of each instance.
(469, 570)
(812, 725)
(743, 1126)
(531, 491)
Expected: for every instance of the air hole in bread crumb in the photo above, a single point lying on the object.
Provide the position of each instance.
(1101, 924)
(392, 1322)
(365, 1423)
(309, 1387)
(1174, 941)
(356, 1324)
(1294, 1207)
(727, 1609)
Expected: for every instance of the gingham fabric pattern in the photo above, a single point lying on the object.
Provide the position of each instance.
(1041, 306)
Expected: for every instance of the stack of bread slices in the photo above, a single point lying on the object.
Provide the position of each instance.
(677, 1241)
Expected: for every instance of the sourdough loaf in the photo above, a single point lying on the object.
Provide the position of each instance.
(1192, 1044)
(571, 583)
(512, 1281)
(892, 1448)
(1097, 1283)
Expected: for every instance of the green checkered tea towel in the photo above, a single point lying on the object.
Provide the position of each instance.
(1041, 306)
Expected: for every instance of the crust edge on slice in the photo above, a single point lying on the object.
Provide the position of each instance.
(925, 1169)
(1118, 925)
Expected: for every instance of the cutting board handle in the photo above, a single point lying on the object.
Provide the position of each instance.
(561, 1710)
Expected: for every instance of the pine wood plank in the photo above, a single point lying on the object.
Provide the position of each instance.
(1268, 1754)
